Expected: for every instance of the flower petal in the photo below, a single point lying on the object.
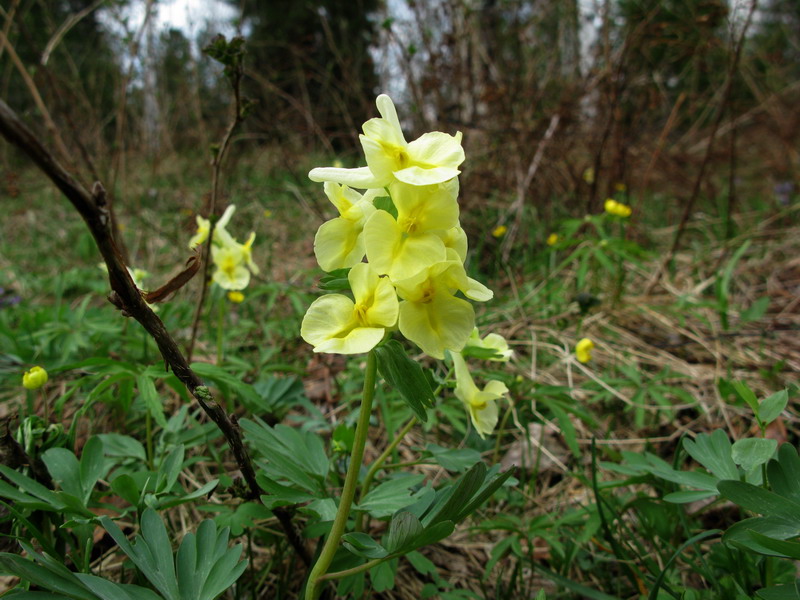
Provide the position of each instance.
(421, 176)
(338, 244)
(328, 317)
(442, 324)
(361, 178)
(437, 149)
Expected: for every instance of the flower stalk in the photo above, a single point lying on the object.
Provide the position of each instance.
(350, 482)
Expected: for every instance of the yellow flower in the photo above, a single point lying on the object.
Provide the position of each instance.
(236, 296)
(204, 227)
(339, 243)
(583, 350)
(588, 175)
(617, 209)
(455, 238)
(231, 273)
(499, 231)
(552, 239)
(620, 187)
(481, 404)
(336, 324)
(402, 247)
(431, 315)
(267, 213)
(430, 159)
(492, 341)
(34, 378)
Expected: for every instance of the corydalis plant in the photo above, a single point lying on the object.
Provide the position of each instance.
(406, 225)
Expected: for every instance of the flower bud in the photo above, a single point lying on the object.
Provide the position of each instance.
(35, 378)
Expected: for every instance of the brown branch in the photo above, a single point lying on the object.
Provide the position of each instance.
(128, 298)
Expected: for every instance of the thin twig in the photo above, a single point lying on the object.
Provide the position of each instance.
(216, 166)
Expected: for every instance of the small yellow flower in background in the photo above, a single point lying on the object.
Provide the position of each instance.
(588, 175)
(499, 231)
(267, 213)
(337, 164)
(617, 209)
(34, 378)
(231, 274)
(204, 228)
(236, 296)
(583, 350)
(620, 187)
(552, 239)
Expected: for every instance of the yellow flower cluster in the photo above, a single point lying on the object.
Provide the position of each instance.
(412, 240)
(233, 261)
(617, 208)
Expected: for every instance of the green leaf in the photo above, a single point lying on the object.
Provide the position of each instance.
(382, 576)
(406, 376)
(291, 454)
(772, 406)
(403, 529)
(750, 453)
(109, 590)
(52, 499)
(784, 473)
(774, 527)
(760, 501)
(688, 496)
(428, 536)
(746, 394)
(391, 495)
(92, 466)
(125, 487)
(361, 544)
(714, 453)
(489, 488)
(122, 446)
(169, 470)
(755, 311)
(781, 548)
(206, 567)
(453, 501)
(151, 399)
(779, 592)
(454, 459)
(64, 469)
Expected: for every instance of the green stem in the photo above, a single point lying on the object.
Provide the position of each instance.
(148, 427)
(349, 489)
(376, 466)
(353, 571)
(220, 330)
